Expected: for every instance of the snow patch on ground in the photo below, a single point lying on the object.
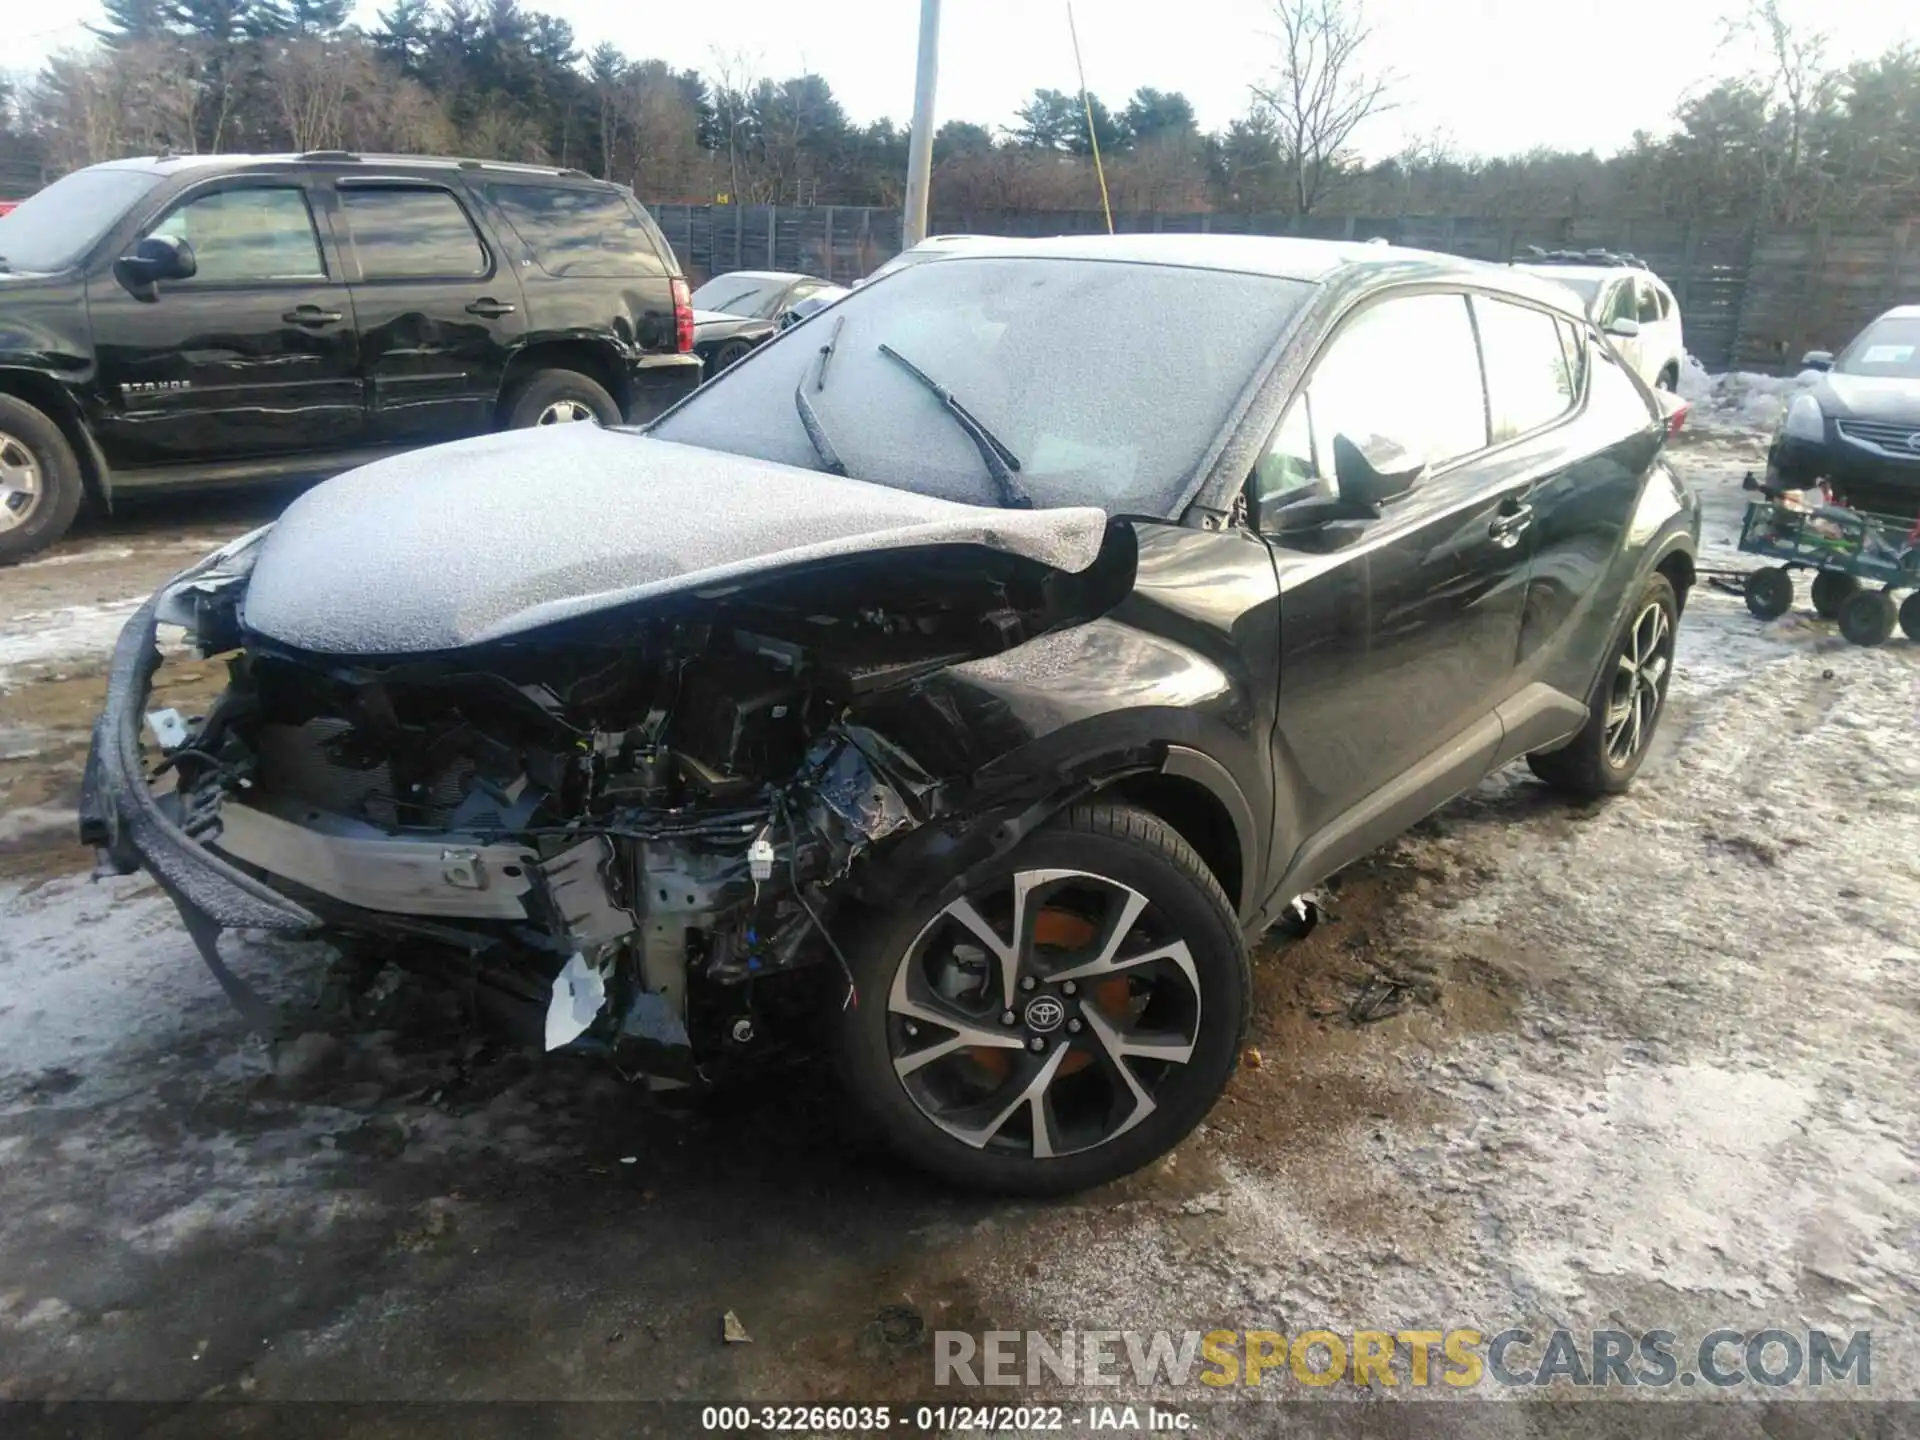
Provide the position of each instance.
(70, 633)
(1740, 400)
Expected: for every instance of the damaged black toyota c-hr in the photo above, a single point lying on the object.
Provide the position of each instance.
(957, 682)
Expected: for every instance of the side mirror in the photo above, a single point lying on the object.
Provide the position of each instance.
(1374, 472)
(1817, 360)
(1623, 328)
(158, 257)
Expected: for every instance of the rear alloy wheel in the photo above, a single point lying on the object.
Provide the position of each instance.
(560, 397)
(1066, 1021)
(40, 488)
(1626, 704)
(1831, 590)
(1867, 618)
(1769, 592)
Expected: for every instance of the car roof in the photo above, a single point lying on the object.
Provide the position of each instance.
(1902, 312)
(1284, 257)
(175, 164)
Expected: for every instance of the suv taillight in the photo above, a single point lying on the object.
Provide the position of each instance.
(682, 316)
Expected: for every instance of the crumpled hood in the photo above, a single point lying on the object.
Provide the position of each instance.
(479, 540)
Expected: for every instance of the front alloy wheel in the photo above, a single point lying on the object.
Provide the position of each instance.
(1064, 1022)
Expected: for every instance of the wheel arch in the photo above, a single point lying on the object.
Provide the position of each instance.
(1195, 796)
(50, 397)
(598, 360)
(1677, 565)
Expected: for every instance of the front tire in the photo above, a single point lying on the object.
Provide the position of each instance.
(40, 486)
(1625, 707)
(1067, 1021)
(728, 355)
(560, 397)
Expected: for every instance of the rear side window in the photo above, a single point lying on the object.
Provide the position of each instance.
(411, 234)
(256, 234)
(1573, 342)
(1650, 307)
(1408, 370)
(1528, 383)
(587, 233)
(1621, 304)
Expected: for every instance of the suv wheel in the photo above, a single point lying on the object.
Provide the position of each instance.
(40, 487)
(1066, 1021)
(1626, 704)
(560, 397)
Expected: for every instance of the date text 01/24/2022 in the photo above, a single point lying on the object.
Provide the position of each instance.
(943, 1419)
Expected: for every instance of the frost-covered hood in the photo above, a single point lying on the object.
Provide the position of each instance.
(1889, 398)
(471, 542)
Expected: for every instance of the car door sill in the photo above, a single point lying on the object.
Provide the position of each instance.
(310, 465)
(1418, 791)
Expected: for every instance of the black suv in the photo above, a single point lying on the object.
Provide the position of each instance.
(974, 653)
(201, 320)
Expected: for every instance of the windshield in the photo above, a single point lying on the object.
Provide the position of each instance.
(740, 295)
(1108, 381)
(1889, 348)
(58, 226)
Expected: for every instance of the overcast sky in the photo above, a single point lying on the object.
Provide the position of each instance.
(1495, 76)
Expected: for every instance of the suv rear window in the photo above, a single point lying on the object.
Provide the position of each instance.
(573, 231)
(411, 234)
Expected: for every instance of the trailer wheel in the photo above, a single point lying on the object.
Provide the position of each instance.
(1831, 590)
(1867, 617)
(1910, 616)
(1769, 592)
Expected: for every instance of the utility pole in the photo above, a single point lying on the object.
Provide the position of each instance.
(913, 228)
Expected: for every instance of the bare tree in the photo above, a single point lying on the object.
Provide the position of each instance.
(1799, 86)
(1322, 91)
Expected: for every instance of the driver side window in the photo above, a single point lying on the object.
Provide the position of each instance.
(250, 234)
(1405, 369)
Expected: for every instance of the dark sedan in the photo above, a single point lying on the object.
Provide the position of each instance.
(1859, 428)
(734, 312)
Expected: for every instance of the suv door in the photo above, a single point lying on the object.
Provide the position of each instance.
(439, 307)
(254, 355)
(1399, 632)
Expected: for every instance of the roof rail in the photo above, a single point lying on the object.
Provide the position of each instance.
(328, 155)
(1537, 256)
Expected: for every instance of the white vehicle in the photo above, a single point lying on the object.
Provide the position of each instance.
(1626, 300)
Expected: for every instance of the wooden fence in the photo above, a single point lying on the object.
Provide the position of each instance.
(1751, 299)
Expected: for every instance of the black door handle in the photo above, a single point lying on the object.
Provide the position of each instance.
(489, 308)
(312, 315)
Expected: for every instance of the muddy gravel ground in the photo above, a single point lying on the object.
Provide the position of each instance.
(1645, 1064)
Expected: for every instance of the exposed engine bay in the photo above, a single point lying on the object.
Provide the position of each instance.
(618, 829)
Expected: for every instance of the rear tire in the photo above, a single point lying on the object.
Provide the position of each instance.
(1769, 592)
(1831, 591)
(939, 1054)
(40, 485)
(560, 397)
(1626, 705)
(1867, 618)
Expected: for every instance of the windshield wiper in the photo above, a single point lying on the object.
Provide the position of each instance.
(830, 460)
(1001, 462)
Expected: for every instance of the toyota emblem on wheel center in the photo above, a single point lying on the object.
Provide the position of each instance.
(1045, 1013)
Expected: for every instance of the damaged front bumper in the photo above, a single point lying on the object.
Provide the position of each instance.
(133, 828)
